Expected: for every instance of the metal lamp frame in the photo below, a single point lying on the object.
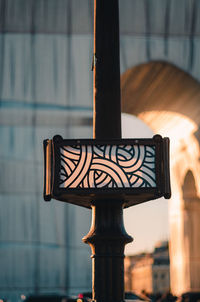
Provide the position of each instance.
(85, 196)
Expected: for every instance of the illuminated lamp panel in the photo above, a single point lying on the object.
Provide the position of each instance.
(84, 171)
(106, 166)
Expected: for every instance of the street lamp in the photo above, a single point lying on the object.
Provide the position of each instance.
(107, 173)
(84, 170)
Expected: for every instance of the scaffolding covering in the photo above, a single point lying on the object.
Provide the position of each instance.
(46, 50)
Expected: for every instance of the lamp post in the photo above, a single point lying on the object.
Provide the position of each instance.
(107, 236)
(107, 173)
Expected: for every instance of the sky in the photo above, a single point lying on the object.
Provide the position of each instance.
(147, 223)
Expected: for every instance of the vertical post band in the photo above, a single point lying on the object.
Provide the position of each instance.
(107, 100)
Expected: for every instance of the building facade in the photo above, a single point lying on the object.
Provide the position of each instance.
(148, 272)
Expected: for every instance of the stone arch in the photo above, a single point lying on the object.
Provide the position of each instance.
(148, 81)
(167, 99)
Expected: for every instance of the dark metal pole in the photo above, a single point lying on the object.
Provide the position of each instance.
(107, 105)
(107, 236)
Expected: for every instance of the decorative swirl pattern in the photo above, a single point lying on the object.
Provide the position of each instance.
(107, 166)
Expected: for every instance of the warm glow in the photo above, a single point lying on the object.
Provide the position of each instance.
(173, 125)
(184, 157)
(167, 100)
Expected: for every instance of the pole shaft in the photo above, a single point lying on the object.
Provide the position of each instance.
(107, 236)
(107, 100)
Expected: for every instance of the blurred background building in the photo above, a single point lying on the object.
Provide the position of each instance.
(148, 273)
(46, 89)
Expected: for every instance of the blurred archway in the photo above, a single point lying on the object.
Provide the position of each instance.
(167, 99)
(191, 209)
